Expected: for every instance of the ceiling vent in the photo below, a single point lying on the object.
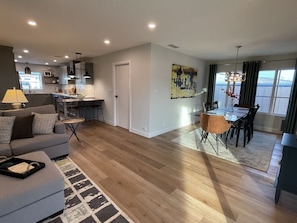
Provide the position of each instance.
(173, 46)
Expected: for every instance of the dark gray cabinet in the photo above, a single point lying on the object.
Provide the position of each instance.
(81, 69)
(287, 175)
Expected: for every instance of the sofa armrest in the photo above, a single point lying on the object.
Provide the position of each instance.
(59, 128)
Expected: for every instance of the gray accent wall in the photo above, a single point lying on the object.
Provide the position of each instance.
(8, 75)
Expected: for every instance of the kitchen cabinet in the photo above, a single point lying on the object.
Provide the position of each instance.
(80, 70)
(38, 99)
(63, 79)
(63, 76)
(287, 175)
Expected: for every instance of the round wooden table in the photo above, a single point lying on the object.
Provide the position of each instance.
(73, 124)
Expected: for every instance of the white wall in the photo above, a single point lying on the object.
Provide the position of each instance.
(167, 114)
(139, 59)
(152, 110)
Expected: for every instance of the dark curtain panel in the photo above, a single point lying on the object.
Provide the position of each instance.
(211, 82)
(291, 117)
(249, 87)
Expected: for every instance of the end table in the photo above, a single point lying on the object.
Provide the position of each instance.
(73, 124)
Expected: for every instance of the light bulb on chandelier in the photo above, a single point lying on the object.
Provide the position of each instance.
(234, 76)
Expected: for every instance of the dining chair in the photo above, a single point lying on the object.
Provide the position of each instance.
(211, 105)
(215, 105)
(207, 106)
(214, 124)
(243, 105)
(246, 124)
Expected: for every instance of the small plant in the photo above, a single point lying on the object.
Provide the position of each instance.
(230, 92)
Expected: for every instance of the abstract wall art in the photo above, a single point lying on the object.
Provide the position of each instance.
(183, 81)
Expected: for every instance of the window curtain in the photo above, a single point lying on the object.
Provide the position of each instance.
(249, 86)
(211, 82)
(291, 117)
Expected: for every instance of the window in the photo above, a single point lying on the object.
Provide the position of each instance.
(221, 86)
(273, 91)
(31, 81)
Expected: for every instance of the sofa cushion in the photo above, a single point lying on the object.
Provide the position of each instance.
(22, 127)
(44, 123)
(5, 150)
(21, 146)
(44, 109)
(6, 126)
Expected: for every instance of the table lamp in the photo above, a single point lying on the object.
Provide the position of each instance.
(14, 96)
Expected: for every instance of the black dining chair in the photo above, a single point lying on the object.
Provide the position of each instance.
(207, 106)
(211, 105)
(246, 124)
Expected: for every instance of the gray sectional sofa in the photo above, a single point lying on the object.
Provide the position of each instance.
(28, 132)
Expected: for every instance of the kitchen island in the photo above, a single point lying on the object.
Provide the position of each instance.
(77, 106)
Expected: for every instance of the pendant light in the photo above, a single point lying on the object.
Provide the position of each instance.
(234, 76)
(27, 69)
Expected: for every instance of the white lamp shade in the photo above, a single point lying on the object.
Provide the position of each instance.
(14, 96)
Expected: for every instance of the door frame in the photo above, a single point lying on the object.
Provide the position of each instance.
(115, 121)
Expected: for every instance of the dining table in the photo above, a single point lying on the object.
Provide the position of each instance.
(231, 115)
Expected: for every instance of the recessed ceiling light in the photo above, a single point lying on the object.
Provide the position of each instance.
(15, 60)
(20, 56)
(66, 56)
(32, 23)
(55, 61)
(107, 41)
(26, 51)
(46, 63)
(152, 25)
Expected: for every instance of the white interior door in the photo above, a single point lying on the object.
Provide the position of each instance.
(122, 95)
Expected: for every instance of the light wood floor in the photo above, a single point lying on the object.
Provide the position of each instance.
(156, 180)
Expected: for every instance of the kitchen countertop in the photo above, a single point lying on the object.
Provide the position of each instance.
(71, 95)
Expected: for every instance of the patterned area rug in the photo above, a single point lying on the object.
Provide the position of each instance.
(84, 200)
(256, 154)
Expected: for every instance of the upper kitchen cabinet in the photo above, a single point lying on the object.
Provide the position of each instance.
(84, 72)
(63, 76)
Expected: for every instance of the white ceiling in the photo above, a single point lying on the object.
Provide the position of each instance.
(206, 29)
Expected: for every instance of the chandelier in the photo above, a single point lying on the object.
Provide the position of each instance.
(234, 76)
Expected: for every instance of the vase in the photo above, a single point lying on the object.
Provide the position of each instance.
(230, 104)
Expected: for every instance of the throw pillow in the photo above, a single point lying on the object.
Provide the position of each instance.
(22, 127)
(44, 123)
(6, 125)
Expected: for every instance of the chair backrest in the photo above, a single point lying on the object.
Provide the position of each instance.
(211, 105)
(215, 105)
(251, 114)
(207, 106)
(214, 123)
(243, 105)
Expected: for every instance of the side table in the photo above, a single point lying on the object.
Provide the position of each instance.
(73, 124)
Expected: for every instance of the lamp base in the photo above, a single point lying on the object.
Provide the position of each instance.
(16, 105)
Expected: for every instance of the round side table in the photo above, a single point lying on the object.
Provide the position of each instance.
(73, 124)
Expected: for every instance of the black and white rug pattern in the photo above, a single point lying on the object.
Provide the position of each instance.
(84, 200)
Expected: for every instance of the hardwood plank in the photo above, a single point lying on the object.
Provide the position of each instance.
(157, 180)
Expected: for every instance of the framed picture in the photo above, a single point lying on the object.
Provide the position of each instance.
(183, 81)
(47, 73)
